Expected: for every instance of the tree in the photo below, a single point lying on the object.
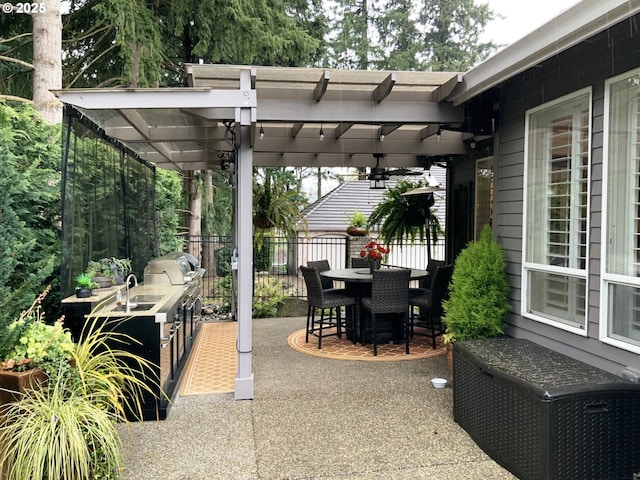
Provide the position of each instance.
(451, 42)
(436, 35)
(29, 209)
(47, 58)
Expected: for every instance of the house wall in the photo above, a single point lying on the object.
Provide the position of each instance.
(588, 64)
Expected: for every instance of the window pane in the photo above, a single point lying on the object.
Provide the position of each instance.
(557, 297)
(624, 313)
(623, 219)
(557, 189)
(484, 194)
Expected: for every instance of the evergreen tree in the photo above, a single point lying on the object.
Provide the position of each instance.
(451, 41)
(29, 210)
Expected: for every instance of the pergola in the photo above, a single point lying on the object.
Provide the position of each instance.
(266, 116)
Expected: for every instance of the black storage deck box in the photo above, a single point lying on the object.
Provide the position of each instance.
(542, 415)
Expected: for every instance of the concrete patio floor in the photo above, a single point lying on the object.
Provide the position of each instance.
(312, 418)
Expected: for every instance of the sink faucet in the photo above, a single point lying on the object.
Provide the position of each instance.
(127, 282)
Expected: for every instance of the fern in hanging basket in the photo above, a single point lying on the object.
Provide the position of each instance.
(409, 216)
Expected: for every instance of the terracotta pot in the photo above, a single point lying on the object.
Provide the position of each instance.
(356, 231)
(19, 382)
(450, 358)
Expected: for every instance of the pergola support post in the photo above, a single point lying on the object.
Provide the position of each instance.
(244, 236)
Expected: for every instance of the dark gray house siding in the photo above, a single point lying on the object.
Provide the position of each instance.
(588, 64)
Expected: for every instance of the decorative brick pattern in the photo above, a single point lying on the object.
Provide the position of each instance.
(343, 349)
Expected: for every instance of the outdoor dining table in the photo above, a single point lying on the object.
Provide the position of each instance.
(357, 282)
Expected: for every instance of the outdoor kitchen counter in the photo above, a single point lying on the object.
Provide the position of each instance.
(104, 300)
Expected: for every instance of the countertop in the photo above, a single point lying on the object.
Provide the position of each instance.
(104, 300)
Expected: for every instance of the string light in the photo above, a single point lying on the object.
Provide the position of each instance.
(321, 133)
(261, 132)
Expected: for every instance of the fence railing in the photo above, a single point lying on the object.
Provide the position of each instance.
(278, 259)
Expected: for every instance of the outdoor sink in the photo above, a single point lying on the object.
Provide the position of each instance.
(146, 298)
(138, 307)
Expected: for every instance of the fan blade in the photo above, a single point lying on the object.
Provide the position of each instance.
(403, 172)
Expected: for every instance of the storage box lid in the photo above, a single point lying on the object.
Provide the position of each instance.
(542, 371)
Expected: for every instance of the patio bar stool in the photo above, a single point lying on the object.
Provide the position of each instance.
(429, 304)
(322, 266)
(389, 295)
(320, 298)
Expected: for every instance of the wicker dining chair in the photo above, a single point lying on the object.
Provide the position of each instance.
(359, 262)
(320, 298)
(429, 304)
(322, 266)
(389, 295)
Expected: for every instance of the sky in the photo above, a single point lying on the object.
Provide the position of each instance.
(521, 17)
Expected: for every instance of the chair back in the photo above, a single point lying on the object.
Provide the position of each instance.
(390, 290)
(359, 262)
(315, 293)
(440, 287)
(322, 266)
(432, 266)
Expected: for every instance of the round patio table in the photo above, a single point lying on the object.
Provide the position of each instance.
(357, 283)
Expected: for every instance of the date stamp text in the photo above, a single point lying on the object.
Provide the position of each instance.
(26, 8)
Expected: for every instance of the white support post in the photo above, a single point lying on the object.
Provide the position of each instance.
(244, 236)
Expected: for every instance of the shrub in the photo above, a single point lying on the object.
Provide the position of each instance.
(478, 300)
(268, 295)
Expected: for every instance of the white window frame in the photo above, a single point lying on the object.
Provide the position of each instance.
(531, 267)
(607, 279)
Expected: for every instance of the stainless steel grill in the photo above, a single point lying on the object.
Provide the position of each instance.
(175, 268)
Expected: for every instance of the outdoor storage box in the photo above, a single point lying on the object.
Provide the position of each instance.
(543, 415)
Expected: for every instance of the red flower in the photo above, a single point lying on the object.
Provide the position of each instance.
(374, 251)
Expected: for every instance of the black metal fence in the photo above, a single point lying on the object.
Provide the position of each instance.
(276, 261)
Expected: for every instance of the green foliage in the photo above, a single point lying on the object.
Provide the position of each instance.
(30, 209)
(268, 295)
(435, 35)
(56, 433)
(28, 342)
(478, 300)
(168, 204)
(357, 219)
(451, 44)
(277, 202)
(405, 216)
(83, 281)
(66, 428)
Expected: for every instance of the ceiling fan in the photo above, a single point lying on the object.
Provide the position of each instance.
(379, 173)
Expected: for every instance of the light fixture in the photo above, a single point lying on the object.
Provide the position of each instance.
(321, 133)
(377, 184)
(261, 132)
(378, 175)
(439, 134)
(381, 133)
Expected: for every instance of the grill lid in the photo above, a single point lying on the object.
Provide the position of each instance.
(175, 268)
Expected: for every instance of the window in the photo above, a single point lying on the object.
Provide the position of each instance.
(620, 323)
(484, 195)
(556, 212)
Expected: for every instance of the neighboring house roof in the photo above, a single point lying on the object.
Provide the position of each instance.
(331, 212)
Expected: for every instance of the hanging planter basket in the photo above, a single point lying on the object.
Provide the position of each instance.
(262, 221)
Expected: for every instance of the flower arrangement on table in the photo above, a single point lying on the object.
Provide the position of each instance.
(374, 251)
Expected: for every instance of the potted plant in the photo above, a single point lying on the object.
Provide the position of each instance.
(76, 411)
(84, 284)
(357, 224)
(374, 252)
(30, 350)
(406, 216)
(478, 301)
(107, 271)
